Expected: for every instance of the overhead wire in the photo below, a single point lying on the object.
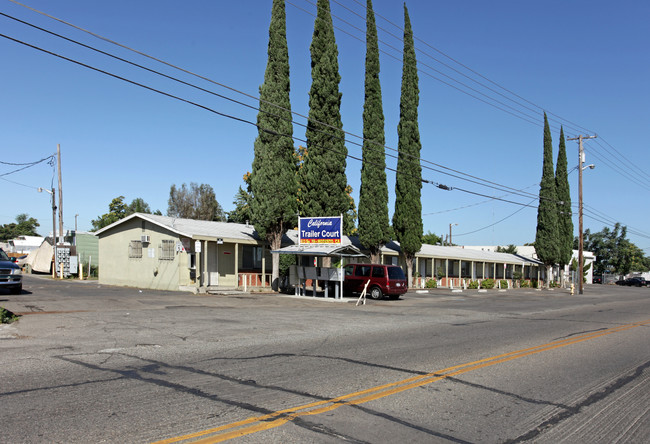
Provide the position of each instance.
(495, 223)
(515, 113)
(476, 180)
(561, 119)
(230, 88)
(85, 65)
(24, 166)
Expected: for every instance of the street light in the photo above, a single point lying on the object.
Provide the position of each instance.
(40, 190)
(451, 225)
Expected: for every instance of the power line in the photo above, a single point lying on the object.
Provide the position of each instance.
(477, 180)
(495, 223)
(25, 165)
(227, 115)
(468, 69)
(518, 114)
(444, 187)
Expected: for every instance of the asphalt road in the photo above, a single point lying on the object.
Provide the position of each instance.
(88, 363)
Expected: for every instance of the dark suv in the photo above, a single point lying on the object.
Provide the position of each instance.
(10, 274)
(386, 280)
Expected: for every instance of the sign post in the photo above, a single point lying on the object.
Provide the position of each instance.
(321, 230)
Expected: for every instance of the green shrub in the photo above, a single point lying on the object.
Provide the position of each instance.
(473, 285)
(535, 283)
(7, 317)
(431, 283)
(504, 283)
(553, 284)
(487, 284)
(525, 284)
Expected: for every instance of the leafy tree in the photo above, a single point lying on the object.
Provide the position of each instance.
(547, 235)
(323, 181)
(242, 212)
(194, 202)
(565, 224)
(511, 249)
(407, 218)
(138, 205)
(374, 229)
(117, 210)
(273, 180)
(24, 226)
(431, 239)
(614, 252)
(350, 216)
(585, 268)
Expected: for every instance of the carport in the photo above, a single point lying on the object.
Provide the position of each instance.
(299, 275)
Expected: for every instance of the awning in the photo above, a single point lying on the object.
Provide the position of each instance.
(321, 250)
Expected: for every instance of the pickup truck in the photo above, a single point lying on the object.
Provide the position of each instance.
(10, 274)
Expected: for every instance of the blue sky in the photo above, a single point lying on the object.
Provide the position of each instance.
(586, 61)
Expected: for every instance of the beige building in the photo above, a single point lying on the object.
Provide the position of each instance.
(166, 253)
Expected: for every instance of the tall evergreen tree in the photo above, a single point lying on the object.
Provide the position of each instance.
(373, 194)
(565, 224)
(273, 179)
(323, 186)
(407, 218)
(547, 243)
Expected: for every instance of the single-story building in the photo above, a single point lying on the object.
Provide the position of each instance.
(529, 252)
(161, 252)
(167, 253)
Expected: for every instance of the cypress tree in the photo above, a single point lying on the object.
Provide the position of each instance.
(407, 218)
(323, 186)
(273, 179)
(547, 235)
(373, 194)
(565, 224)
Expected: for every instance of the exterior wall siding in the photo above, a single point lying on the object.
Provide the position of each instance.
(148, 271)
(88, 248)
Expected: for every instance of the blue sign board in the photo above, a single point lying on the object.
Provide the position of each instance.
(320, 230)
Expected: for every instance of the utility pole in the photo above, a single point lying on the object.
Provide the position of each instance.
(581, 159)
(450, 225)
(58, 155)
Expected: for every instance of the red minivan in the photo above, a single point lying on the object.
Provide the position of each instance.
(386, 280)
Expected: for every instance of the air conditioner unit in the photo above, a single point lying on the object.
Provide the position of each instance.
(145, 238)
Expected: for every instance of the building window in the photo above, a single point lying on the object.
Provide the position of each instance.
(167, 250)
(135, 249)
(251, 257)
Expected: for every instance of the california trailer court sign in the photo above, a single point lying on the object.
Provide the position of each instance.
(320, 230)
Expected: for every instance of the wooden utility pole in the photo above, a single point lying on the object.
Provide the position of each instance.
(581, 159)
(58, 155)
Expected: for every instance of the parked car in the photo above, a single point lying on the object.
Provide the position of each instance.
(11, 276)
(633, 282)
(598, 279)
(386, 280)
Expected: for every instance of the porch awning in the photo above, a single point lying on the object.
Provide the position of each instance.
(321, 250)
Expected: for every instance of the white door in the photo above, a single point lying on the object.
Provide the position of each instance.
(213, 264)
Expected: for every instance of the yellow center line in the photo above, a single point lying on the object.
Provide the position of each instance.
(280, 417)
